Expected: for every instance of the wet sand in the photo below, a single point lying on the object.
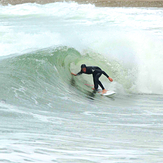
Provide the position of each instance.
(99, 3)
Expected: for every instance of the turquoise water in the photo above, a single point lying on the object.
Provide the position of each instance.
(46, 115)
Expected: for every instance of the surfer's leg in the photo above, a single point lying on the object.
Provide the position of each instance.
(101, 85)
(99, 82)
(103, 89)
(95, 82)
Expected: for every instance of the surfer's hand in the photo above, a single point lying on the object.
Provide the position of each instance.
(110, 79)
(73, 74)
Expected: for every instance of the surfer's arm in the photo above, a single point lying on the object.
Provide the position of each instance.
(79, 73)
(107, 76)
(73, 74)
(102, 72)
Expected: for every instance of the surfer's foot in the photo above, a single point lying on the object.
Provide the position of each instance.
(104, 91)
(94, 89)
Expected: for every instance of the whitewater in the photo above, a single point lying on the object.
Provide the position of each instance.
(49, 116)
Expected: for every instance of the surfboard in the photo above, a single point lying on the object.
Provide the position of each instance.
(109, 93)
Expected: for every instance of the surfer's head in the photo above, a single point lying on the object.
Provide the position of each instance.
(83, 67)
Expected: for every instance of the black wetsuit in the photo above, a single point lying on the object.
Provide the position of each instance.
(96, 72)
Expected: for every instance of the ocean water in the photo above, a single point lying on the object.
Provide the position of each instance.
(48, 116)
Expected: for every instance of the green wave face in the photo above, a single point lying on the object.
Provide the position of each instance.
(43, 75)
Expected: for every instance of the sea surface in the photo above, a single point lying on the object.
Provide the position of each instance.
(49, 116)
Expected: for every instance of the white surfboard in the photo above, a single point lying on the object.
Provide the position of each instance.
(108, 93)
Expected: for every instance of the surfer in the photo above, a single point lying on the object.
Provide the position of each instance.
(96, 72)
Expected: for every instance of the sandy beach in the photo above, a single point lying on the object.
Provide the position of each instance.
(99, 3)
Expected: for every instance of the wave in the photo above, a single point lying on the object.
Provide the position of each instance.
(44, 75)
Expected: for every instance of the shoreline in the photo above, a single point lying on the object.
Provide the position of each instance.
(98, 3)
